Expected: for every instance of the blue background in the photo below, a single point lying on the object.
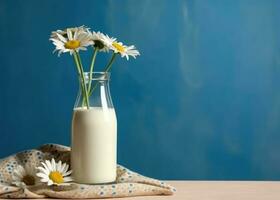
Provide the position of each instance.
(201, 102)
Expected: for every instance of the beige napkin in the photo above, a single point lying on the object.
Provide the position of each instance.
(128, 183)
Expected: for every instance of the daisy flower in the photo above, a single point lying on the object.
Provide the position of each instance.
(24, 176)
(101, 41)
(125, 51)
(64, 32)
(54, 173)
(74, 39)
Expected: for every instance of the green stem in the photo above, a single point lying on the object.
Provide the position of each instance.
(92, 67)
(77, 65)
(109, 65)
(107, 68)
(85, 96)
(93, 88)
(78, 62)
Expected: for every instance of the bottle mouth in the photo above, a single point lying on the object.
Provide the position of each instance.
(97, 76)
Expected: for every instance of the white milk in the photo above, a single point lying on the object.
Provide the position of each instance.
(94, 145)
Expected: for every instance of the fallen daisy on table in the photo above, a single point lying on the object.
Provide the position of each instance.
(24, 176)
(54, 173)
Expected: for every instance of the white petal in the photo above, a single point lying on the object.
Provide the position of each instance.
(58, 43)
(66, 168)
(67, 173)
(75, 35)
(44, 180)
(49, 165)
(45, 166)
(50, 182)
(44, 170)
(66, 50)
(61, 38)
(68, 179)
(63, 168)
(65, 184)
(54, 165)
(58, 166)
(59, 53)
(69, 34)
(81, 36)
(42, 175)
(83, 48)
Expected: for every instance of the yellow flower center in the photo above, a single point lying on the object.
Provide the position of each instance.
(72, 44)
(56, 177)
(28, 180)
(119, 47)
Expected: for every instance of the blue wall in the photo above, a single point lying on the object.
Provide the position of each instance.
(201, 102)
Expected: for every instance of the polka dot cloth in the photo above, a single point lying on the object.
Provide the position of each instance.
(128, 183)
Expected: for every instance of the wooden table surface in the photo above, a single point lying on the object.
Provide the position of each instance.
(226, 190)
(220, 190)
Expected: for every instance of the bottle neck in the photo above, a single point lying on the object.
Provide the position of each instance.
(94, 91)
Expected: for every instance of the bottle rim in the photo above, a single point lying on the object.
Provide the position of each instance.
(97, 76)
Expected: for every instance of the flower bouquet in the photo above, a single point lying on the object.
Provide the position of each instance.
(73, 40)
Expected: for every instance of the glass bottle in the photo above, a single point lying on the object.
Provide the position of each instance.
(94, 132)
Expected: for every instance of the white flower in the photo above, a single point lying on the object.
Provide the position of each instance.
(101, 41)
(124, 50)
(54, 173)
(64, 32)
(71, 40)
(24, 176)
